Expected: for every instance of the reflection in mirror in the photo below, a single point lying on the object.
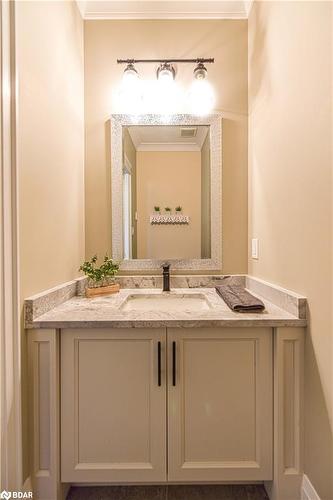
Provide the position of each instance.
(166, 192)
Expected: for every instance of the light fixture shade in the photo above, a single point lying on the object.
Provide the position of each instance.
(130, 74)
(200, 71)
(130, 92)
(201, 97)
(166, 72)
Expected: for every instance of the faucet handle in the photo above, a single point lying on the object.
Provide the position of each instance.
(166, 266)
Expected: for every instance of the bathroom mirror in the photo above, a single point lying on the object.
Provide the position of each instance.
(166, 191)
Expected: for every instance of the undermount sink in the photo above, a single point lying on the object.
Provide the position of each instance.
(166, 302)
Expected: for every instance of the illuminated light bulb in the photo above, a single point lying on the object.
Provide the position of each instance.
(130, 100)
(130, 92)
(130, 74)
(166, 96)
(200, 71)
(161, 97)
(165, 77)
(201, 97)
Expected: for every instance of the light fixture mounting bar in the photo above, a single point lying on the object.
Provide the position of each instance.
(198, 60)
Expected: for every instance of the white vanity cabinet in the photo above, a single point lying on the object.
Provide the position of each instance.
(220, 404)
(113, 405)
(131, 399)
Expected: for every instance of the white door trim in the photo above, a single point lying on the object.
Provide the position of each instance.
(10, 354)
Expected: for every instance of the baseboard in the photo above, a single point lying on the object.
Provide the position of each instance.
(27, 485)
(65, 487)
(308, 491)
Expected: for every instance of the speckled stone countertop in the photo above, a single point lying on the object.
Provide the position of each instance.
(286, 309)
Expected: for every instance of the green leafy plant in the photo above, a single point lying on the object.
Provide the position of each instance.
(178, 209)
(157, 209)
(102, 275)
(167, 209)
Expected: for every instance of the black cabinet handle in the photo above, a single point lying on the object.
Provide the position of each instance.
(159, 374)
(174, 364)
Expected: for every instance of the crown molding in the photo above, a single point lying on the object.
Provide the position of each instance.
(144, 144)
(164, 9)
(169, 146)
(248, 6)
(81, 6)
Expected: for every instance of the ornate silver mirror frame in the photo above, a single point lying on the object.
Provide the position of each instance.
(215, 123)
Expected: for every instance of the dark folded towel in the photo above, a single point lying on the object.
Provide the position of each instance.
(238, 299)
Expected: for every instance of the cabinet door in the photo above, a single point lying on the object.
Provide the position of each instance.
(113, 410)
(220, 404)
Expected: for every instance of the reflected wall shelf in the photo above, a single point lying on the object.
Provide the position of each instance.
(169, 219)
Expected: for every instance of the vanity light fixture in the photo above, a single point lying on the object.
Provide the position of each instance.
(200, 98)
(130, 92)
(166, 72)
(200, 71)
(198, 60)
(130, 73)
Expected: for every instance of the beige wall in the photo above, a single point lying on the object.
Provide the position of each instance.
(226, 40)
(50, 149)
(169, 179)
(290, 187)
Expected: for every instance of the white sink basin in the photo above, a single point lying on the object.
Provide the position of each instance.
(166, 302)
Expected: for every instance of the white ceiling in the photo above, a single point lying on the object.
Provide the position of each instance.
(166, 138)
(164, 9)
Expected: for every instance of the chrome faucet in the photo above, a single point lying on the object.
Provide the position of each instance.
(166, 277)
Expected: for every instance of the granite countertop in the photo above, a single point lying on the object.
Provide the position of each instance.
(104, 312)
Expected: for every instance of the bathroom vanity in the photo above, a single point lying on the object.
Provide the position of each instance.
(146, 387)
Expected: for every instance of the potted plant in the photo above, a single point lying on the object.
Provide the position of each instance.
(178, 209)
(101, 280)
(157, 209)
(167, 209)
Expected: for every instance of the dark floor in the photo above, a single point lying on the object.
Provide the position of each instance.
(175, 492)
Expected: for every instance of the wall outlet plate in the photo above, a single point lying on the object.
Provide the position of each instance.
(255, 248)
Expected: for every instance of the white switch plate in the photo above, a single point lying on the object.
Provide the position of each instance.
(255, 248)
